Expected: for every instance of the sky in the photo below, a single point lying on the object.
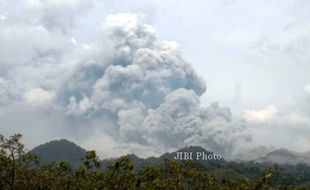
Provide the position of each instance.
(152, 76)
(247, 49)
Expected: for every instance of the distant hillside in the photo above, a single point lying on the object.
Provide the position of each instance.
(64, 150)
(255, 153)
(297, 172)
(139, 162)
(196, 149)
(283, 156)
(60, 150)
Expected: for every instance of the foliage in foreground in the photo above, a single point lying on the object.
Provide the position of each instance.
(20, 170)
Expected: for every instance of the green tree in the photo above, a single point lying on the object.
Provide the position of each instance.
(15, 163)
(89, 175)
(120, 175)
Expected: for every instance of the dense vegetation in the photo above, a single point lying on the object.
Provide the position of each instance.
(21, 170)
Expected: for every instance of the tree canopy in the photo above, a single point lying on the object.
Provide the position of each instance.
(21, 170)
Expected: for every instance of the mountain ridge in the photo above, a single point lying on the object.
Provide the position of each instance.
(285, 156)
(65, 150)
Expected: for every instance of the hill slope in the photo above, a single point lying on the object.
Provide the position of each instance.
(63, 150)
(283, 156)
(60, 150)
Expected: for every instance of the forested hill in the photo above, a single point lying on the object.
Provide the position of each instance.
(60, 150)
(67, 151)
(64, 150)
(64, 165)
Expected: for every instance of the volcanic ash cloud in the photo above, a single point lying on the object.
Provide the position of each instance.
(151, 94)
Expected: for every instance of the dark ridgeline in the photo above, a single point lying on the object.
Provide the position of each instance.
(63, 150)
(64, 165)
(60, 150)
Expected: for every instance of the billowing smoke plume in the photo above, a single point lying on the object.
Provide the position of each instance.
(118, 88)
(127, 91)
(148, 91)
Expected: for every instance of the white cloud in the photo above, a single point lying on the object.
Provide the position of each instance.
(75, 108)
(262, 115)
(10, 92)
(57, 15)
(307, 88)
(38, 96)
(296, 119)
(73, 41)
(302, 144)
(128, 32)
(33, 3)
